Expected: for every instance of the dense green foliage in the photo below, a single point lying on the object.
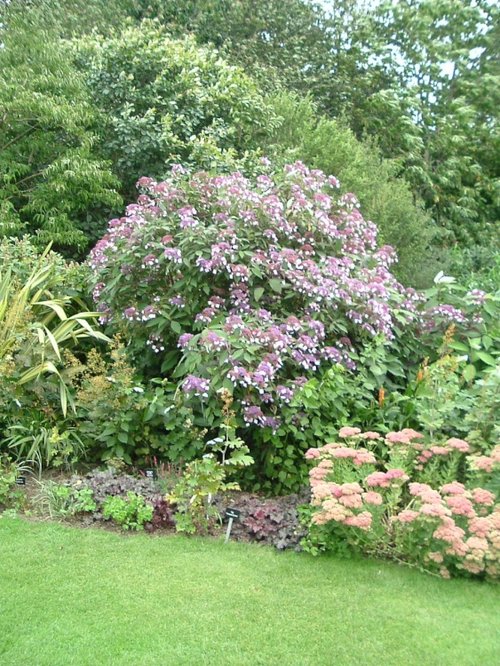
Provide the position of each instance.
(53, 183)
(256, 302)
(164, 101)
(420, 76)
(386, 199)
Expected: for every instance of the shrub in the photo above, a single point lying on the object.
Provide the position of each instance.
(10, 494)
(247, 287)
(118, 414)
(195, 491)
(400, 497)
(36, 327)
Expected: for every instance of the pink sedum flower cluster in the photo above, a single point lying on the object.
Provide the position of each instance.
(446, 528)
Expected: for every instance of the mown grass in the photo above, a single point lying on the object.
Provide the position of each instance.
(74, 596)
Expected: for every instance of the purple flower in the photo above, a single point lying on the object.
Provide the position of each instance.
(174, 254)
(178, 301)
(213, 341)
(196, 386)
(184, 340)
(253, 415)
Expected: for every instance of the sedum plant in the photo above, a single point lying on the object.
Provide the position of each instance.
(403, 497)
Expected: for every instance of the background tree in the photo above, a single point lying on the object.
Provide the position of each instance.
(53, 183)
(163, 100)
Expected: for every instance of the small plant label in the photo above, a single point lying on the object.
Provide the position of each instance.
(151, 474)
(21, 481)
(231, 514)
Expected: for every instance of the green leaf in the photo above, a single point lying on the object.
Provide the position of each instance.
(276, 285)
(469, 372)
(176, 327)
(486, 358)
(258, 293)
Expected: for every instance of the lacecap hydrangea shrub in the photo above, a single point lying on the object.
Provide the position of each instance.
(254, 286)
(399, 496)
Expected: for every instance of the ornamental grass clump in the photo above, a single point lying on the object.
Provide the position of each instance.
(219, 281)
(363, 502)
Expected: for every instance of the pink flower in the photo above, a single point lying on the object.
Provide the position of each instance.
(482, 496)
(483, 463)
(347, 431)
(476, 543)
(458, 444)
(480, 526)
(377, 479)
(418, 488)
(397, 438)
(435, 557)
(397, 474)
(323, 491)
(351, 501)
(431, 497)
(434, 510)
(312, 453)
(362, 520)
(448, 531)
(343, 452)
(364, 458)
(351, 488)
(372, 497)
(461, 506)
(439, 450)
(412, 434)
(453, 488)
(407, 516)
(370, 435)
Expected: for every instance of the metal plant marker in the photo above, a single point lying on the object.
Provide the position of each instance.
(232, 515)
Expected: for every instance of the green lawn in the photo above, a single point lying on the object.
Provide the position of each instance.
(74, 596)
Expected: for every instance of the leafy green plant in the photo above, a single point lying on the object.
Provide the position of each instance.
(45, 446)
(36, 328)
(119, 414)
(55, 184)
(172, 101)
(203, 479)
(62, 500)
(10, 494)
(130, 513)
